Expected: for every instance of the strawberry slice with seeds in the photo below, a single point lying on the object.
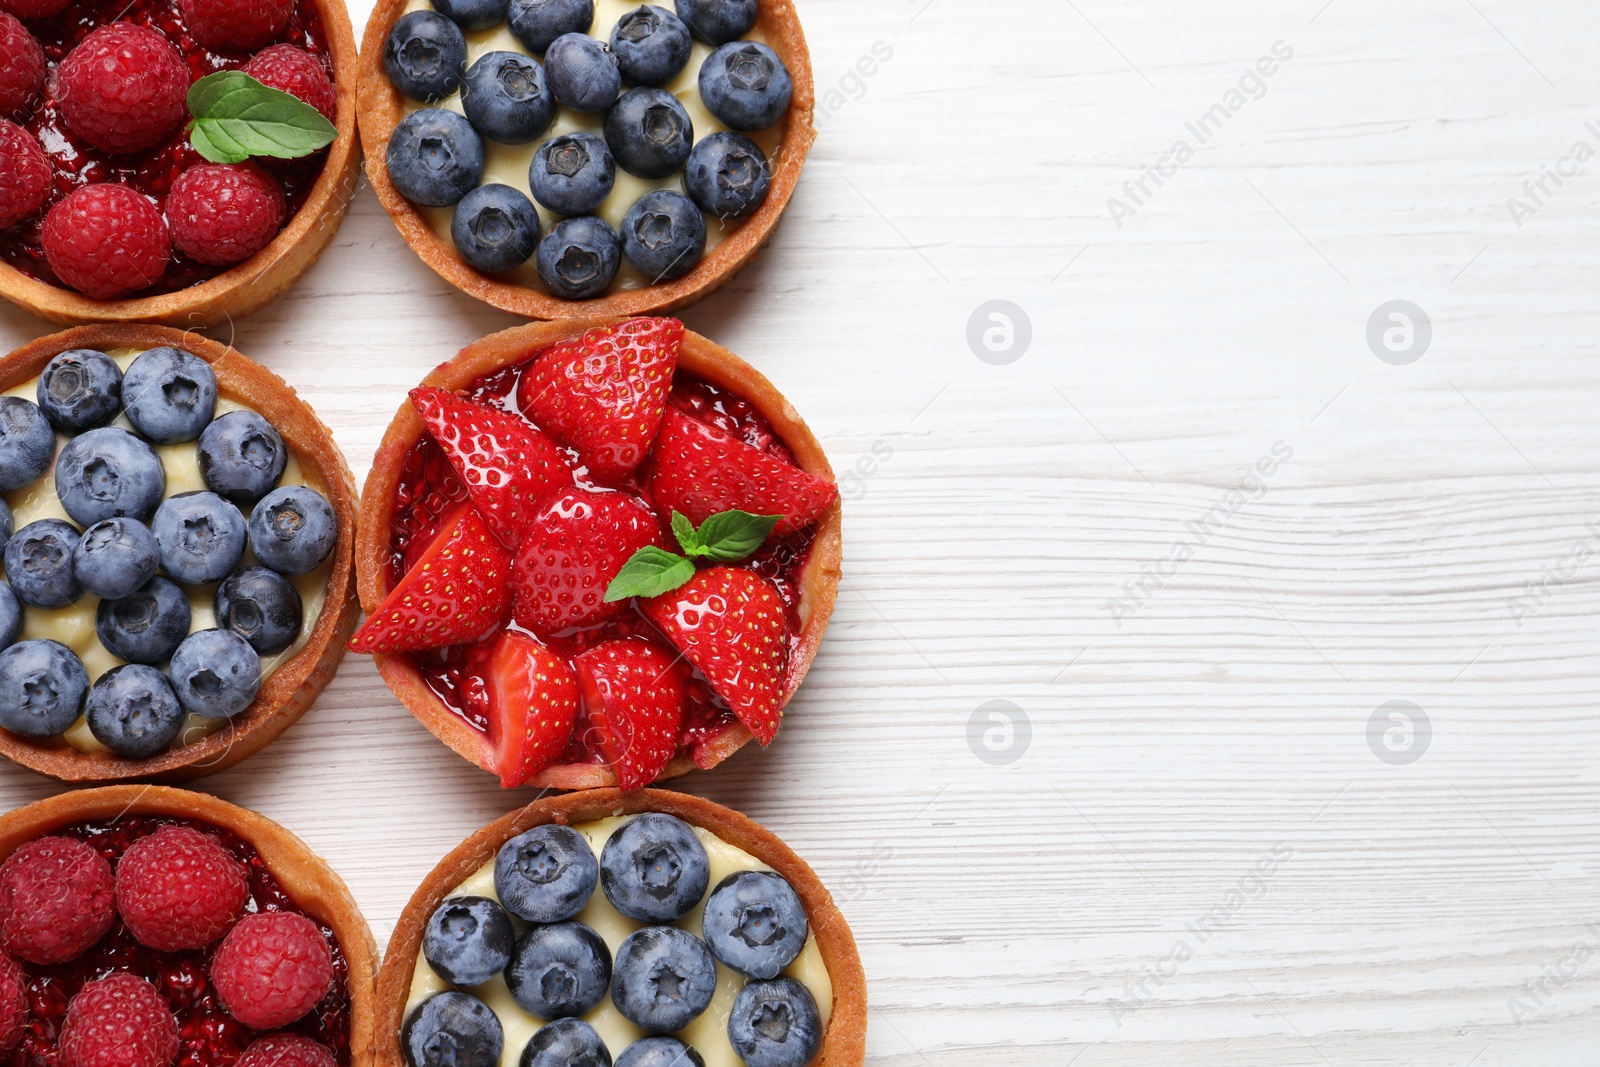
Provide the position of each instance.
(510, 469)
(571, 553)
(603, 394)
(633, 699)
(532, 697)
(701, 470)
(459, 590)
(729, 622)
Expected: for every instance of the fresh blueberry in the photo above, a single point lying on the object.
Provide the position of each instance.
(116, 557)
(261, 606)
(651, 45)
(425, 56)
(7, 525)
(545, 875)
(293, 529)
(495, 228)
(468, 940)
(201, 537)
(10, 617)
(146, 626)
(435, 157)
(242, 457)
(559, 970)
(728, 175)
(109, 473)
(42, 686)
(80, 389)
(579, 257)
(649, 132)
(506, 98)
(755, 923)
(565, 1043)
(572, 174)
(775, 1023)
(582, 74)
(170, 395)
(746, 85)
(659, 1052)
(39, 564)
(133, 711)
(452, 1029)
(718, 21)
(537, 23)
(472, 14)
(664, 235)
(215, 673)
(26, 443)
(654, 869)
(663, 978)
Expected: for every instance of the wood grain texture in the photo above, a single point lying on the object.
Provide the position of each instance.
(1430, 539)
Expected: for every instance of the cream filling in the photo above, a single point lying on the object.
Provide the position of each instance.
(708, 1034)
(508, 164)
(73, 625)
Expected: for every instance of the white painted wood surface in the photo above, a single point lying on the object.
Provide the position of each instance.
(1430, 539)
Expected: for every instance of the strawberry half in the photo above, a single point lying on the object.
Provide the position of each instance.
(532, 702)
(701, 470)
(603, 394)
(510, 469)
(570, 554)
(730, 623)
(633, 698)
(458, 591)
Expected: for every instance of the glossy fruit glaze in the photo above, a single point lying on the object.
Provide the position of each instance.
(208, 1035)
(153, 171)
(428, 489)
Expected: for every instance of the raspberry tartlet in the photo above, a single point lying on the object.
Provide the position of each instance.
(172, 161)
(597, 553)
(673, 924)
(142, 926)
(178, 538)
(586, 157)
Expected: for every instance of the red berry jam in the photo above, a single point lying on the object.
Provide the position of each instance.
(207, 1035)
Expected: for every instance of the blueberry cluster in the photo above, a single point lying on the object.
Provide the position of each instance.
(135, 548)
(655, 871)
(436, 157)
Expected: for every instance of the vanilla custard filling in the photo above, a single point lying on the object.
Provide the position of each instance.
(707, 1035)
(73, 625)
(508, 164)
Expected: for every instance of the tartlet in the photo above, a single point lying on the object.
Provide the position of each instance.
(291, 688)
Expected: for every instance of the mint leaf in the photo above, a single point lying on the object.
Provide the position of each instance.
(730, 536)
(684, 531)
(236, 117)
(651, 572)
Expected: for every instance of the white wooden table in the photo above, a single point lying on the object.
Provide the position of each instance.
(1184, 846)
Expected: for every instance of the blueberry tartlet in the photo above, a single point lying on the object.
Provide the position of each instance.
(177, 532)
(648, 929)
(597, 553)
(558, 158)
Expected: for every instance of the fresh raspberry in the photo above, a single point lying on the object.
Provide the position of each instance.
(106, 241)
(21, 68)
(272, 968)
(120, 1021)
(24, 174)
(223, 215)
(29, 10)
(286, 1050)
(179, 889)
(123, 88)
(13, 1003)
(56, 900)
(298, 73)
(236, 25)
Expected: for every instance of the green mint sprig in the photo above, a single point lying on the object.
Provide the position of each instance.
(236, 117)
(726, 537)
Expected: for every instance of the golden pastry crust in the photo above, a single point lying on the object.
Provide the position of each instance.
(819, 579)
(844, 1041)
(237, 291)
(382, 108)
(289, 691)
(305, 876)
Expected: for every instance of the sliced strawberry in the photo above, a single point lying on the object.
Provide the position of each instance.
(458, 591)
(730, 624)
(570, 554)
(510, 468)
(633, 697)
(533, 705)
(701, 470)
(603, 393)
